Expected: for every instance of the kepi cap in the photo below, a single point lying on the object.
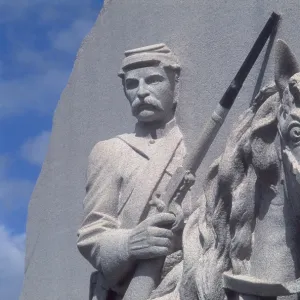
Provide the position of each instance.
(157, 53)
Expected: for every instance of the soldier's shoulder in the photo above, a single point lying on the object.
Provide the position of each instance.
(110, 147)
(102, 147)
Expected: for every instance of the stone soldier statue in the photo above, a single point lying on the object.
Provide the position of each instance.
(126, 175)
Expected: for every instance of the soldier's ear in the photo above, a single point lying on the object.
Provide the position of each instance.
(286, 65)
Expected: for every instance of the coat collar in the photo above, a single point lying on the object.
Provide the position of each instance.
(152, 132)
(145, 136)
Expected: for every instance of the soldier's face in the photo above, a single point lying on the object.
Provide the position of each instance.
(150, 91)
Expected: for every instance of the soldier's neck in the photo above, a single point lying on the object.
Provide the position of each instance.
(154, 130)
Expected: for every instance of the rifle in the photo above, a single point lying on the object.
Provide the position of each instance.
(147, 274)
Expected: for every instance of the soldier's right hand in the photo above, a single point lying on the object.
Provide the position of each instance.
(151, 238)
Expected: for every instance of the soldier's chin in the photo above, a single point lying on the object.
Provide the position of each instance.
(147, 115)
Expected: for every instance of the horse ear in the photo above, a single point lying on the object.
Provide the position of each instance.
(285, 65)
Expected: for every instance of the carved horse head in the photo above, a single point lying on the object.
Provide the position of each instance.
(287, 118)
(287, 77)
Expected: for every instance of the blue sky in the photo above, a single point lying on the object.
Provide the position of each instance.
(39, 40)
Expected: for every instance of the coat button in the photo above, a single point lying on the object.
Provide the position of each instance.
(152, 141)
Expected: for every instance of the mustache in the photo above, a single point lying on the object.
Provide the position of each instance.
(137, 103)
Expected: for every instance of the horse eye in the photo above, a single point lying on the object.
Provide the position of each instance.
(295, 134)
(294, 89)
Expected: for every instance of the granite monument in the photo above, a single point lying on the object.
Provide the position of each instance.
(121, 236)
(211, 39)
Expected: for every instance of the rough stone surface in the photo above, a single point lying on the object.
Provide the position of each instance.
(249, 229)
(211, 40)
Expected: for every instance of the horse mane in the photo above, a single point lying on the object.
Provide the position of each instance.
(248, 167)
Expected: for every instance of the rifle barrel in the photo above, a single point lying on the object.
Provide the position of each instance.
(239, 79)
(194, 159)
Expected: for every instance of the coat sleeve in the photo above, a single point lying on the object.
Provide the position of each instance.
(100, 239)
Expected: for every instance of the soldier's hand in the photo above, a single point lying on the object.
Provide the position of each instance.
(151, 238)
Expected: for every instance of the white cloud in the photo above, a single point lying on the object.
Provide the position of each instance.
(11, 264)
(39, 89)
(34, 150)
(37, 93)
(3, 164)
(17, 9)
(69, 40)
(34, 59)
(14, 194)
(29, 3)
(1, 68)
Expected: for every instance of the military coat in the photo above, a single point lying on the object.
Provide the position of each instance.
(124, 174)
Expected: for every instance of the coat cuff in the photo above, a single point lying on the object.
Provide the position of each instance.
(114, 256)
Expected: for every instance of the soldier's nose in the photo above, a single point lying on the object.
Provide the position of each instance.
(142, 91)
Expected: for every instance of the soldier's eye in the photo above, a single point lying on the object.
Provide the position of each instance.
(131, 84)
(294, 134)
(154, 79)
